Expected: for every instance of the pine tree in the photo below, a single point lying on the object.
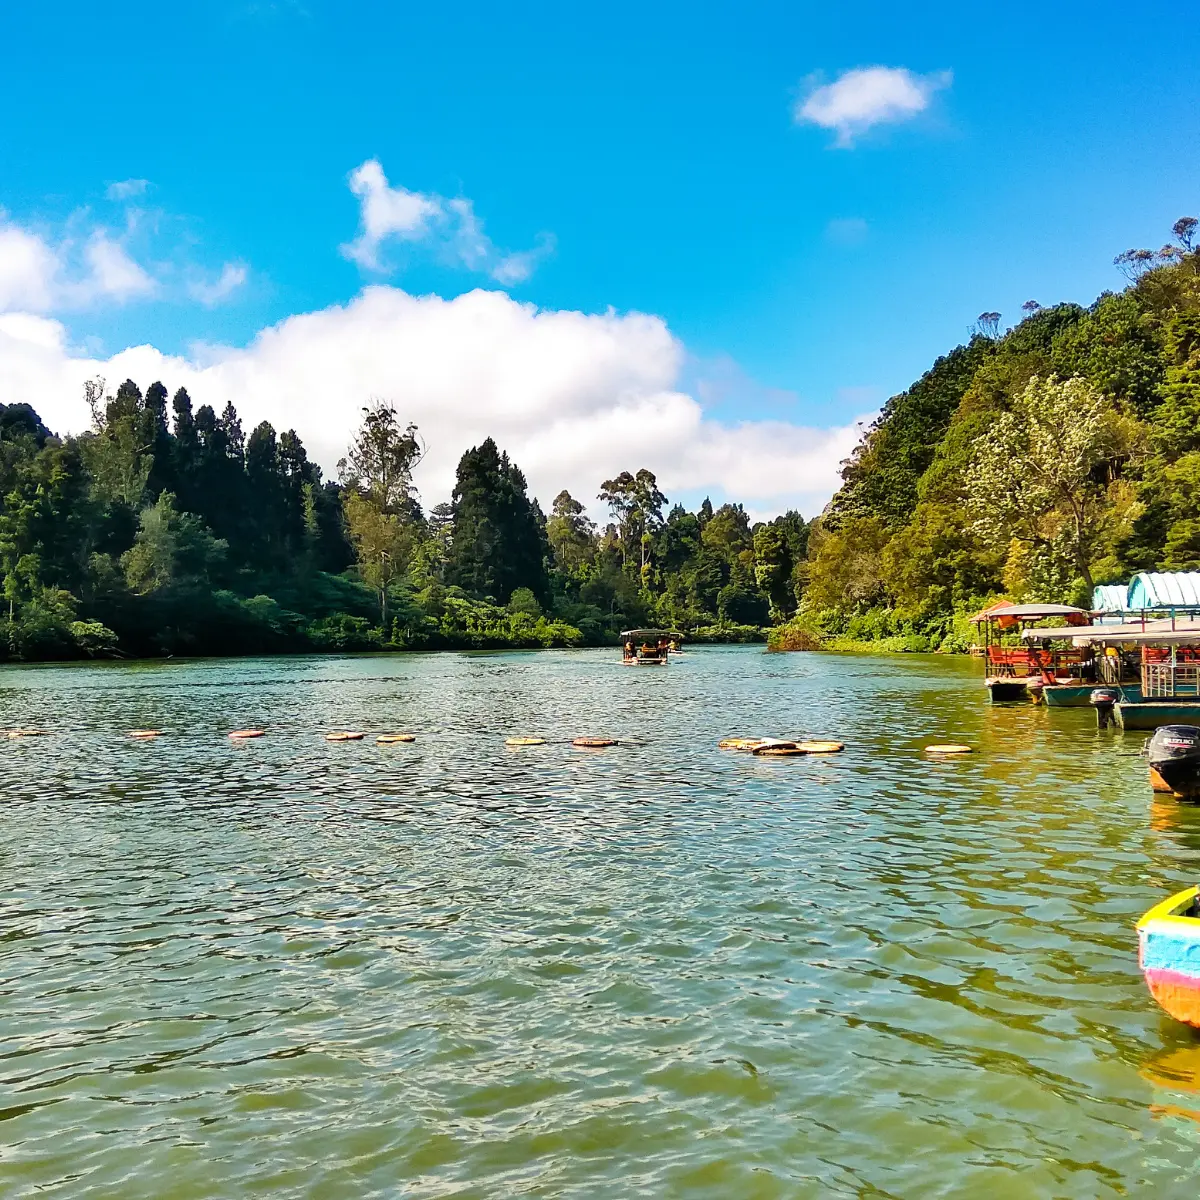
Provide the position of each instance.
(499, 541)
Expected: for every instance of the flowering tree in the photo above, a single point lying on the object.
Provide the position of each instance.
(1039, 476)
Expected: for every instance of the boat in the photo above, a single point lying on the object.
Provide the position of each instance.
(1174, 756)
(1023, 672)
(1169, 955)
(648, 647)
(1079, 695)
(1152, 664)
(1170, 692)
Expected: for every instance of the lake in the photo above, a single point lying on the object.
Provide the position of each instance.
(453, 969)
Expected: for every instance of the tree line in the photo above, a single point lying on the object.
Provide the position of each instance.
(1033, 463)
(166, 529)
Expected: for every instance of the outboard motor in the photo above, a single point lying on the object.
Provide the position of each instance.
(1174, 754)
(1103, 701)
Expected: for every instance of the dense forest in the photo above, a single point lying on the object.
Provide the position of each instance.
(165, 529)
(1033, 462)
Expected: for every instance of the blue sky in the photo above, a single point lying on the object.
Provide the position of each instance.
(650, 156)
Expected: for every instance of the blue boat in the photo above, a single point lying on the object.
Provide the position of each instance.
(1079, 695)
(1150, 714)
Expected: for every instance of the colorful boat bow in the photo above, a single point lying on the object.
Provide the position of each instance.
(1169, 955)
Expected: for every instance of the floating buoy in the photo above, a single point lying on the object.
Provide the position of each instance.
(389, 739)
(820, 746)
(739, 743)
(344, 735)
(948, 748)
(778, 748)
(241, 735)
(593, 743)
(524, 741)
(144, 735)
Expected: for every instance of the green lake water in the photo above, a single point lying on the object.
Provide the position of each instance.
(451, 969)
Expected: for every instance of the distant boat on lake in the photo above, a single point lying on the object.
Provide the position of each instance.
(649, 647)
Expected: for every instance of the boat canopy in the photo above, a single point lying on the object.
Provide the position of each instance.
(1109, 598)
(1013, 614)
(647, 634)
(1154, 633)
(1149, 590)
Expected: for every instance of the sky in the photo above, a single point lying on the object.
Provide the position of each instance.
(710, 240)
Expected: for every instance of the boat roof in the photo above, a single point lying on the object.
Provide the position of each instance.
(1137, 632)
(1027, 612)
(649, 633)
(1149, 590)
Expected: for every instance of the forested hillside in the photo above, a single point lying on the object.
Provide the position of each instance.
(1036, 462)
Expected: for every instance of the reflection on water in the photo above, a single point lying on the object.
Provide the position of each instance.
(455, 968)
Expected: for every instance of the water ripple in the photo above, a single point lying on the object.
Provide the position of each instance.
(452, 968)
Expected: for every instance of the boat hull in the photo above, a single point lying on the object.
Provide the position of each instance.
(1001, 688)
(1150, 714)
(1169, 955)
(1080, 695)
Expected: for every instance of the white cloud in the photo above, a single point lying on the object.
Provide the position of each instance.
(868, 96)
(126, 189)
(28, 269)
(212, 292)
(84, 264)
(386, 212)
(451, 227)
(573, 397)
(112, 274)
(37, 275)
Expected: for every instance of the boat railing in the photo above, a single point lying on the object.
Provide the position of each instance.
(1021, 660)
(1170, 679)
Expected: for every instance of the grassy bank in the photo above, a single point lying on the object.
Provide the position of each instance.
(877, 631)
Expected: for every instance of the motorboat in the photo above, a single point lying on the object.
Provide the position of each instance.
(1174, 756)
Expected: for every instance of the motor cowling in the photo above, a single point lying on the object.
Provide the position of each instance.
(1174, 742)
(1103, 700)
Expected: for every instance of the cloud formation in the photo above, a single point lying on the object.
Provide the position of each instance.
(451, 227)
(573, 397)
(38, 275)
(212, 292)
(87, 263)
(867, 96)
(126, 189)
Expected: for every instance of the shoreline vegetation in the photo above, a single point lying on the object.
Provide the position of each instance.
(1032, 463)
(148, 537)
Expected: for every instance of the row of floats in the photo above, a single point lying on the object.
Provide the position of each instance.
(1137, 674)
(763, 747)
